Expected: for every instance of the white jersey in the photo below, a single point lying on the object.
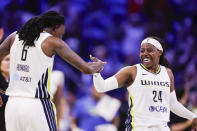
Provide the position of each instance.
(30, 69)
(149, 98)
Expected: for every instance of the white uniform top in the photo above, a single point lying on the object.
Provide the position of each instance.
(30, 69)
(149, 98)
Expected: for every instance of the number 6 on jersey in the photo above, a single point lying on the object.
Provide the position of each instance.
(24, 53)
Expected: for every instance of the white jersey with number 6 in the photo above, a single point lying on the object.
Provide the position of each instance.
(30, 70)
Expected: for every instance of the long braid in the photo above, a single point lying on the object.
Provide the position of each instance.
(31, 30)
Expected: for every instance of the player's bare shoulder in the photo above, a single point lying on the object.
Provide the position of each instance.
(131, 70)
(52, 41)
(49, 45)
(126, 75)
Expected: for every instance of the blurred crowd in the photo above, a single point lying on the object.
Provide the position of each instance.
(112, 30)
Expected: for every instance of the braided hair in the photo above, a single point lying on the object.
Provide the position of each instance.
(31, 30)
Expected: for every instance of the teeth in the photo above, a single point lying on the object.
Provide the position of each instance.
(146, 60)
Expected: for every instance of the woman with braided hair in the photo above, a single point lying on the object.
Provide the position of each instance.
(32, 50)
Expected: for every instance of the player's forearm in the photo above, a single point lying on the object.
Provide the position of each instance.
(179, 109)
(102, 85)
(92, 68)
(180, 126)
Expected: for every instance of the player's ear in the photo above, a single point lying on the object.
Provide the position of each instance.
(55, 27)
(160, 53)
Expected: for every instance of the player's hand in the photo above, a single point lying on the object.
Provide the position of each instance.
(1, 34)
(194, 124)
(96, 60)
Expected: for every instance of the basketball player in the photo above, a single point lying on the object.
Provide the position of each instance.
(32, 50)
(151, 88)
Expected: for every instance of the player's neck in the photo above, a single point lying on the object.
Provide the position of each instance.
(154, 69)
(48, 30)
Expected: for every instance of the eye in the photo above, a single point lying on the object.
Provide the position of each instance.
(150, 50)
(142, 51)
(7, 59)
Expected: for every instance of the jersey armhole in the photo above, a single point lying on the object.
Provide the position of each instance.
(137, 68)
(165, 69)
(39, 45)
(14, 41)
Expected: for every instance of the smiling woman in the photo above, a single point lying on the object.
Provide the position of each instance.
(151, 88)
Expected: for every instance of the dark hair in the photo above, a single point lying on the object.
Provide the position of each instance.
(163, 61)
(180, 91)
(31, 30)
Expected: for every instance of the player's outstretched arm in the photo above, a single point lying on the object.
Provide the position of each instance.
(64, 51)
(123, 78)
(176, 107)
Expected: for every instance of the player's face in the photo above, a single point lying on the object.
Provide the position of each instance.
(59, 31)
(149, 55)
(5, 64)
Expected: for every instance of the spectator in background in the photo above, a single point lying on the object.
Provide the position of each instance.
(86, 115)
(4, 78)
(178, 123)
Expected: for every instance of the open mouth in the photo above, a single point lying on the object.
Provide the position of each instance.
(146, 60)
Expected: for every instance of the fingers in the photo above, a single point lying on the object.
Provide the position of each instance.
(94, 58)
(100, 69)
(100, 63)
(103, 63)
(97, 60)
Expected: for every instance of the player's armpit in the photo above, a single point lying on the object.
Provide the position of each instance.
(126, 76)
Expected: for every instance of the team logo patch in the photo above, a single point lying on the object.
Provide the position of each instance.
(16, 77)
(162, 109)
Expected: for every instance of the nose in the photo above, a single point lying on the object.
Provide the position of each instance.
(145, 52)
